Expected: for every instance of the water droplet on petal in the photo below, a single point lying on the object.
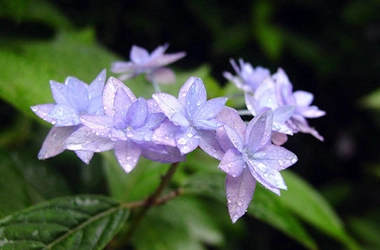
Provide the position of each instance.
(54, 122)
(240, 203)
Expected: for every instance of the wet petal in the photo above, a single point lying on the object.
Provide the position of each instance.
(232, 163)
(127, 154)
(138, 55)
(187, 140)
(259, 131)
(210, 109)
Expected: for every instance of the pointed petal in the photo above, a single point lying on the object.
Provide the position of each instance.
(171, 155)
(64, 115)
(282, 114)
(230, 117)
(185, 88)
(165, 59)
(303, 98)
(98, 124)
(259, 131)
(211, 124)
(85, 156)
(54, 142)
(278, 138)
(127, 154)
(270, 178)
(311, 112)
(165, 134)
(96, 87)
(232, 163)
(195, 97)
(109, 94)
(169, 104)
(121, 67)
(209, 144)
(137, 113)
(276, 157)
(139, 55)
(187, 140)
(77, 94)
(234, 137)
(43, 110)
(85, 139)
(59, 92)
(210, 109)
(239, 191)
(162, 76)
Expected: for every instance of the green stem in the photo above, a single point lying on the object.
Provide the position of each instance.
(154, 199)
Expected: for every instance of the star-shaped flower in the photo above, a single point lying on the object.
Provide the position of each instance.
(127, 126)
(193, 117)
(301, 100)
(250, 157)
(150, 64)
(248, 78)
(73, 99)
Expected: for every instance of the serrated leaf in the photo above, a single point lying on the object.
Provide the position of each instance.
(77, 222)
(308, 204)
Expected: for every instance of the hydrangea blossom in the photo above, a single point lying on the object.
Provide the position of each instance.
(248, 78)
(127, 126)
(192, 117)
(150, 64)
(72, 99)
(301, 100)
(250, 157)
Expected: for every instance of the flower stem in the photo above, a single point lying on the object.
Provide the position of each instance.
(153, 199)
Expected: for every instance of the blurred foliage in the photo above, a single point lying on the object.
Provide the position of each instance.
(330, 48)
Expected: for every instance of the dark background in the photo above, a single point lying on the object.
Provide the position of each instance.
(329, 48)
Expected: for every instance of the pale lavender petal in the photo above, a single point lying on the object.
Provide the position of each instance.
(152, 106)
(187, 140)
(210, 109)
(239, 191)
(162, 76)
(127, 154)
(277, 157)
(279, 138)
(169, 104)
(310, 112)
(172, 155)
(98, 124)
(139, 55)
(232, 163)
(282, 114)
(127, 76)
(234, 137)
(230, 117)
(165, 134)
(212, 124)
(154, 120)
(165, 59)
(43, 110)
(77, 94)
(63, 115)
(195, 97)
(109, 93)
(259, 131)
(85, 156)
(159, 51)
(267, 176)
(209, 143)
(59, 92)
(137, 113)
(185, 88)
(140, 134)
(303, 98)
(54, 142)
(121, 67)
(85, 139)
(252, 104)
(95, 89)
(303, 126)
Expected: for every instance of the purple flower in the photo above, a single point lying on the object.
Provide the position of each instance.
(250, 157)
(73, 98)
(248, 78)
(192, 116)
(301, 100)
(127, 126)
(150, 64)
(265, 98)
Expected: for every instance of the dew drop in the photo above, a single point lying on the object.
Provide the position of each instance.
(240, 203)
(190, 135)
(34, 108)
(294, 160)
(54, 122)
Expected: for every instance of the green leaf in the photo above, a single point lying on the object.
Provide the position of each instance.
(268, 208)
(27, 67)
(372, 100)
(25, 181)
(77, 222)
(309, 205)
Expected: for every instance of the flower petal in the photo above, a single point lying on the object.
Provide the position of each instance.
(64, 115)
(187, 140)
(43, 110)
(77, 94)
(209, 144)
(210, 109)
(59, 92)
(162, 76)
(195, 97)
(109, 94)
(232, 163)
(85, 156)
(85, 139)
(127, 154)
(259, 130)
(139, 55)
(137, 113)
(54, 142)
(239, 191)
(169, 104)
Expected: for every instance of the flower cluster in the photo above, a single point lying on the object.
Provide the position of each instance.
(106, 115)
